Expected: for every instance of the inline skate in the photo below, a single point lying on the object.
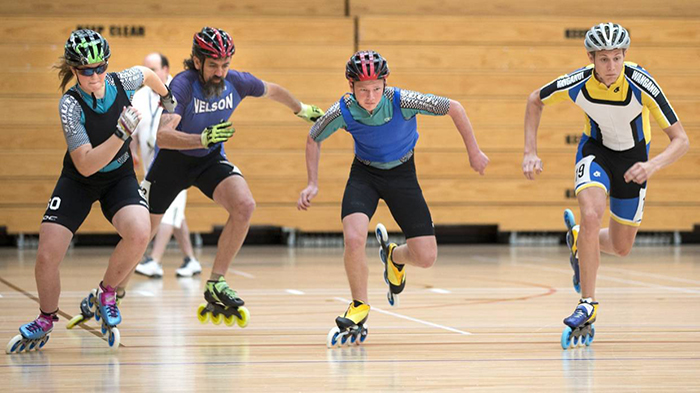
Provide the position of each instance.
(351, 327)
(223, 304)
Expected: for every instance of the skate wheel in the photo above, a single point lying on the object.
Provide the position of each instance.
(229, 321)
(202, 314)
(97, 314)
(353, 337)
(114, 338)
(393, 299)
(32, 345)
(344, 338)
(363, 335)
(245, 317)
(104, 329)
(217, 319)
(332, 338)
(575, 341)
(566, 338)
(43, 342)
(14, 344)
(590, 336)
(569, 219)
(74, 321)
(91, 299)
(381, 233)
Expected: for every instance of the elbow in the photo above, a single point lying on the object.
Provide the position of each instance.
(685, 143)
(456, 108)
(534, 99)
(84, 171)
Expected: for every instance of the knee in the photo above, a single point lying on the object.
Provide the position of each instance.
(424, 257)
(622, 249)
(354, 241)
(590, 218)
(45, 260)
(244, 208)
(138, 236)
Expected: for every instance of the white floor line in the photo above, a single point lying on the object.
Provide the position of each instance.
(615, 279)
(652, 275)
(393, 314)
(294, 291)
(439, 290)
(240, 273)
(145, 293)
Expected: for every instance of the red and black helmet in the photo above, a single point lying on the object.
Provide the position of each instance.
(366, 65)
(213, 43)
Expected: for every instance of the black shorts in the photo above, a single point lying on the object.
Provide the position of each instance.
(173, 172)
(71, 200)
(398, 187)
(598, 166)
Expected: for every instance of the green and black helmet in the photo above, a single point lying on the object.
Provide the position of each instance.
(86, 47)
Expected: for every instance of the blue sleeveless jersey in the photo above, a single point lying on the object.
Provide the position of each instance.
(384, 143)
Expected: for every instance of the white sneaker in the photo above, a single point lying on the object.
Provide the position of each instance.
(189, 268)
(150, 268)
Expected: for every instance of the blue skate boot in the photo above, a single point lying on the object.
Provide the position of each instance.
(33, 335)
(571, 241)
(351, 325)
(394, 274)
(87, 308)
(106, 310)
(223, 304)
(579, 328)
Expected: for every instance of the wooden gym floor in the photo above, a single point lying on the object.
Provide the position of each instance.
(484, 318)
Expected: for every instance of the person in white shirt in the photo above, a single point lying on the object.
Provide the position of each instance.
(173, 223)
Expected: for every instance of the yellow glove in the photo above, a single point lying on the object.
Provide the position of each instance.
(217, 133)
(310, 113)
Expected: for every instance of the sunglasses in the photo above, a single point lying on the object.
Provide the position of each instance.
(90, 71)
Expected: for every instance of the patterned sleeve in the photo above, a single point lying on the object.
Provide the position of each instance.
(73, 129)
(558, 89)
(327, 124)
(132, 79)
(653, 97)
(413, 103)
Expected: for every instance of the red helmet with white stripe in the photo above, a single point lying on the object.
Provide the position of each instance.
(213, 43)
(366, 65)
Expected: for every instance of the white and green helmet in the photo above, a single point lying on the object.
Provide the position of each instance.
(607, 36)
(86, 47)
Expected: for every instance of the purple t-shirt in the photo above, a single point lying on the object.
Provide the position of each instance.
(198, 112)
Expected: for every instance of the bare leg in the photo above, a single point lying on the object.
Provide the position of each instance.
(54, 240)
(418, 251)
(182, 235)
(618, 239)
(592, 202)
(355, 236)
(235, 196)
(165, 231)
(131, 222)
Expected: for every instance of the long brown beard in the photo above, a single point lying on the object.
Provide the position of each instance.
(212, 88)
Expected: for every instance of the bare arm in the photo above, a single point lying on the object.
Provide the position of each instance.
(152, 80)
(642, 171)
(279, 94)
(533, 113)
(88, 160)
(313, 156)
(170, 138)
(477, 159)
